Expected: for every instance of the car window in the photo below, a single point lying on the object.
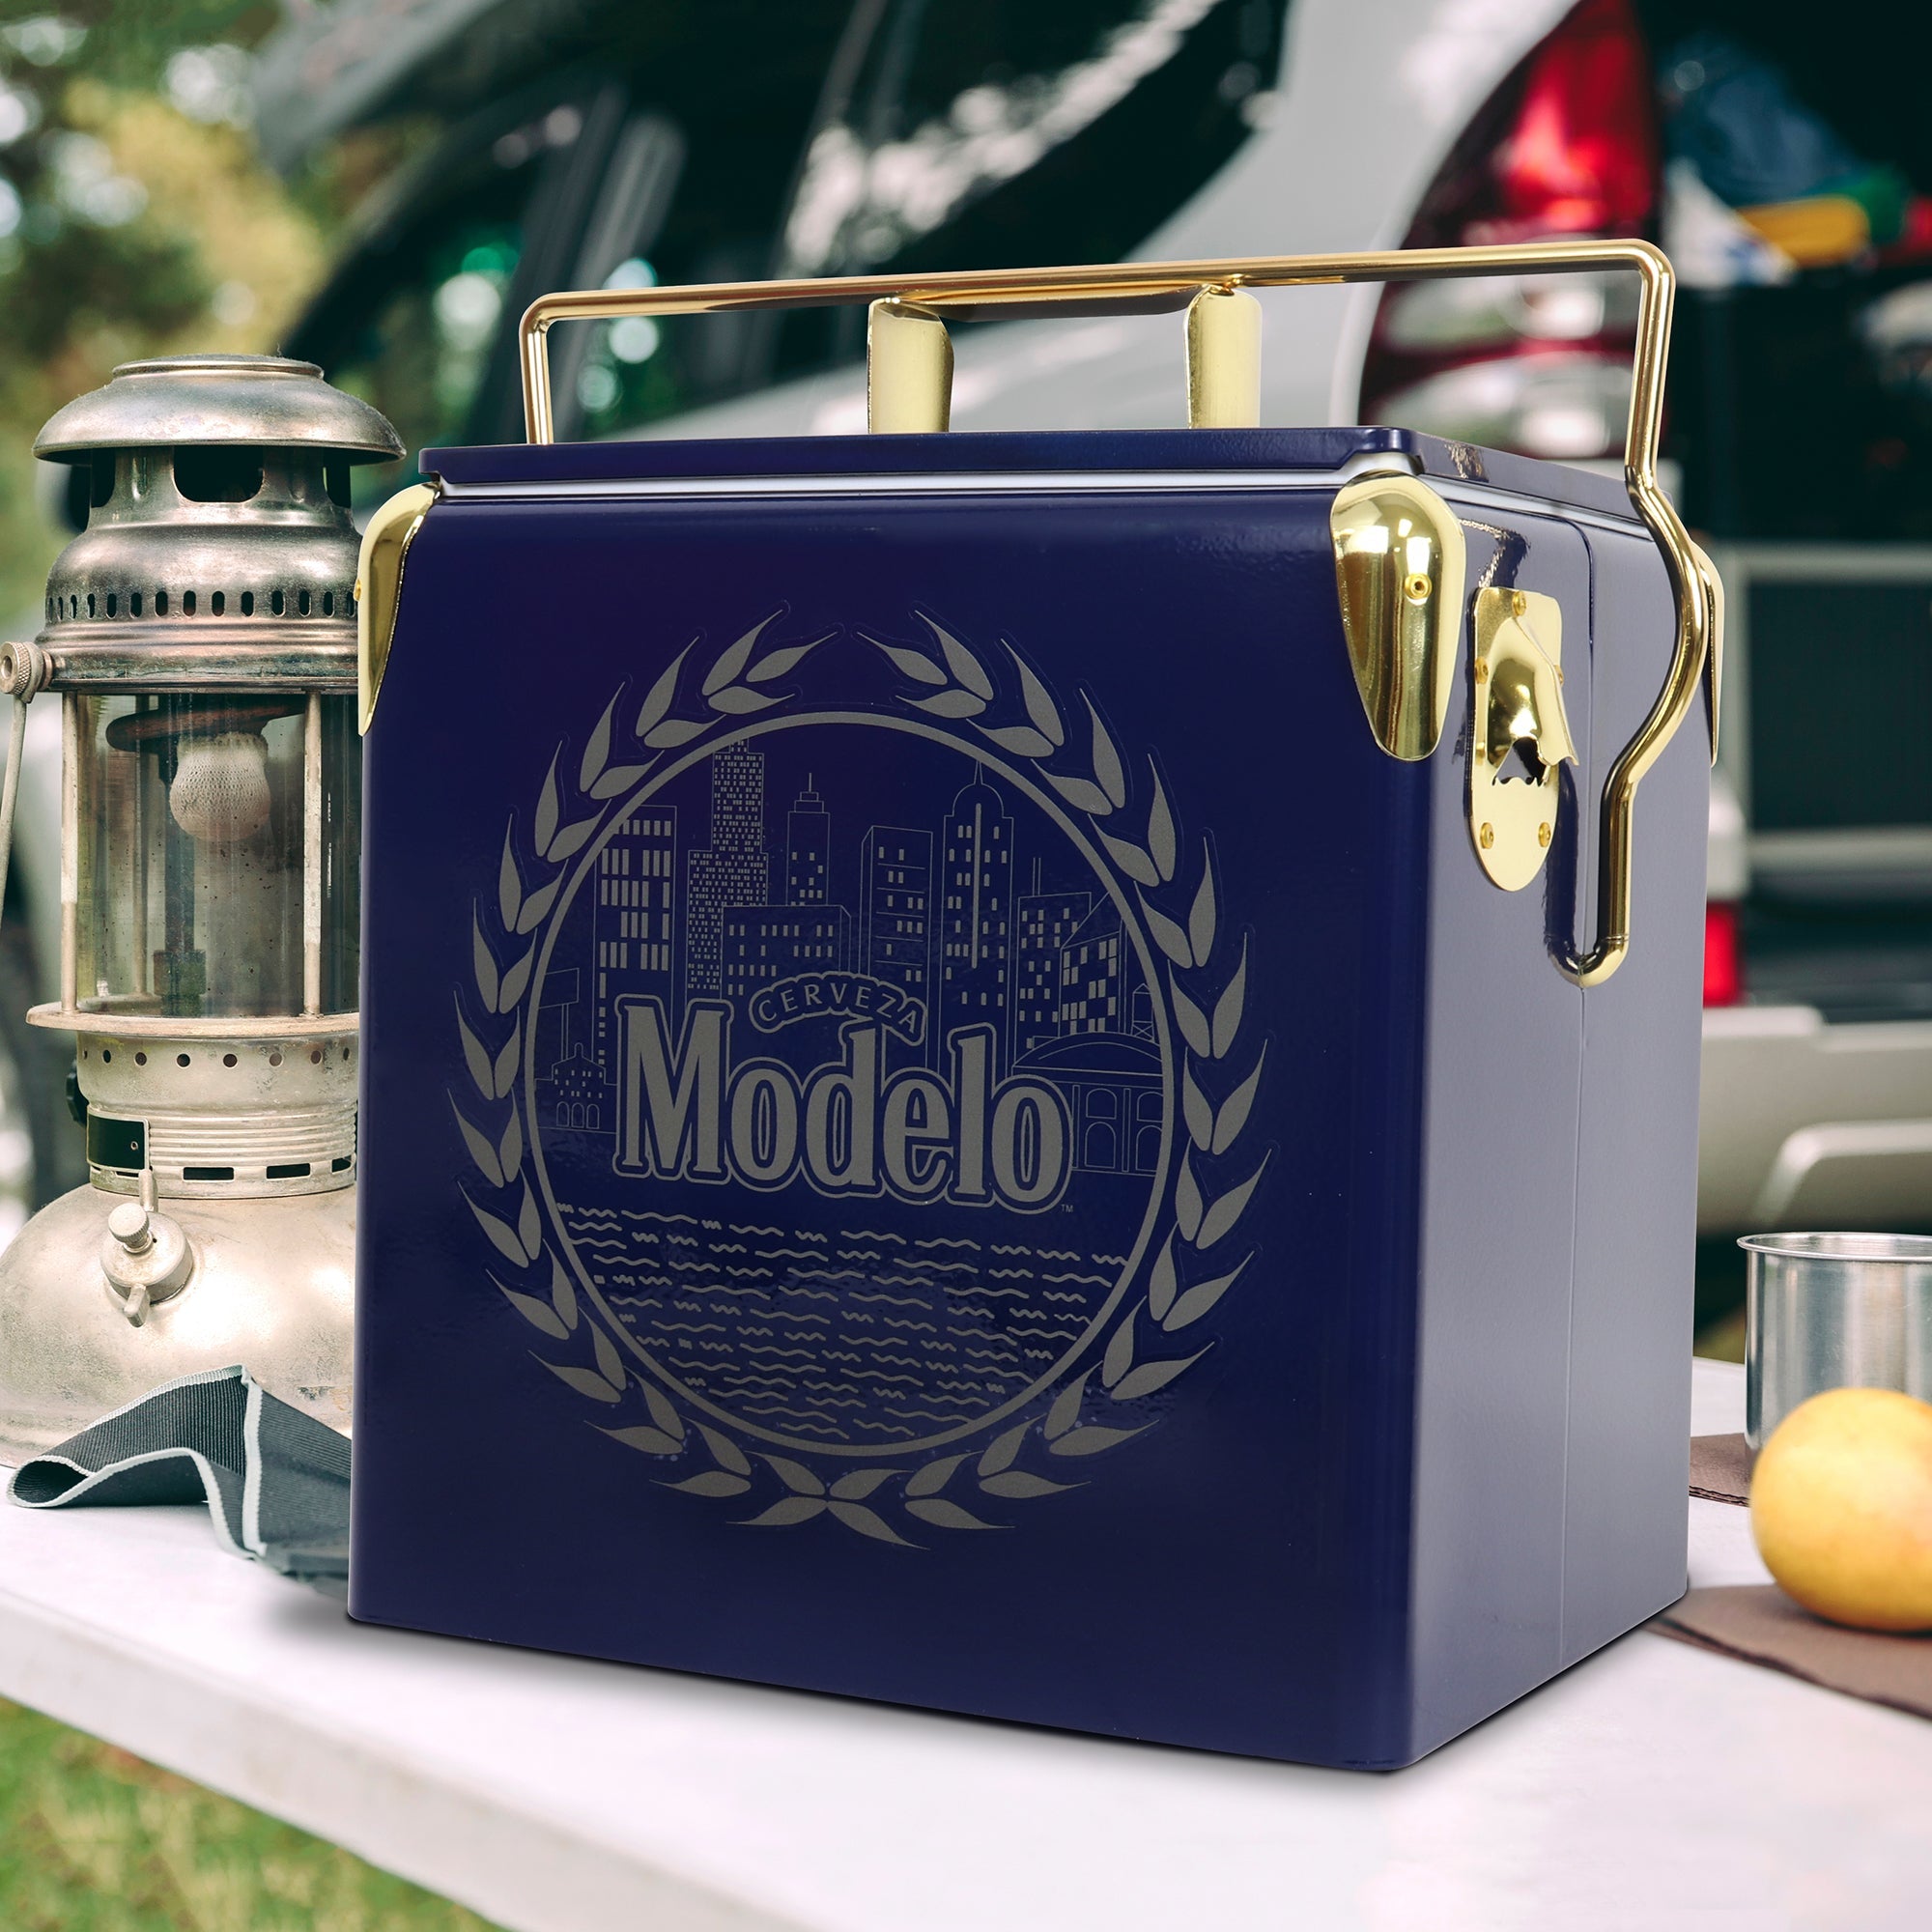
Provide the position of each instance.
(409, 319)
(973, 134)
(1021, 133)
(663, 145)
(733, 141)
(1798, 402)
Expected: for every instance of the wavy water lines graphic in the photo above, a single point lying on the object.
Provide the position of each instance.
(864, 1336)
(632, 1214)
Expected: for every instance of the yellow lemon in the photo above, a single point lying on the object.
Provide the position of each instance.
(1841, 1507)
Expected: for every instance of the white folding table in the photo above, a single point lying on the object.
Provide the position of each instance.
(1652, 1786)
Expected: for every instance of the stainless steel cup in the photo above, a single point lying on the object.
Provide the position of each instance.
(1834, 1311)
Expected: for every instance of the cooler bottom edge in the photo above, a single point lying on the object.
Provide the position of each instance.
(1358, 1754)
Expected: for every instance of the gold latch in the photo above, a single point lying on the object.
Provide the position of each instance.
(1400, 561)
(378, 584)
(1519, 710)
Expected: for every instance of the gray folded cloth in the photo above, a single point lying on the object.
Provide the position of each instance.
(275, 1481)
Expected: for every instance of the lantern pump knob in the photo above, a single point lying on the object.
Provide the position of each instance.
(145, 1254)
(128, 1225)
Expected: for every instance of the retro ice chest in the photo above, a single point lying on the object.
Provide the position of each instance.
(1053, 1074)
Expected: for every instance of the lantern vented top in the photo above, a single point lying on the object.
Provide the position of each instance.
(186, 400)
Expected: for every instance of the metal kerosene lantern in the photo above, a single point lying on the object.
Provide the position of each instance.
(200, 637)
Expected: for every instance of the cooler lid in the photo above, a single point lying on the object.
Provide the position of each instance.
(963, 452)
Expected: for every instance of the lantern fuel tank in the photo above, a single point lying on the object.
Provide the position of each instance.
(200, 640)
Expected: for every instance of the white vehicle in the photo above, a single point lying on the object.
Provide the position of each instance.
(599, 142)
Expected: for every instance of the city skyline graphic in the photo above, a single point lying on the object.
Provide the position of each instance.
(881, 867)
(936, 911)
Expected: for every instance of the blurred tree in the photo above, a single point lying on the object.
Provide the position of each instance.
(134, 218)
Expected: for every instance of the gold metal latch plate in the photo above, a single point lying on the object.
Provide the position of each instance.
(1518, 706)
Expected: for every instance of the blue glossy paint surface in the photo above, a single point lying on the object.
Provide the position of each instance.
(1259, 1567)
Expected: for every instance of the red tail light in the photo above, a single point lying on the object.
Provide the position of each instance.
(1580, 154)
(1724, 956)
(1566, 145)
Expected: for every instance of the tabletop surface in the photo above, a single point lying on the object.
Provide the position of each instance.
(1652, 1786)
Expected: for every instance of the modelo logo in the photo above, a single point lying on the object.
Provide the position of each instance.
(861, 1081)
(687, 1113)
(849, 1081)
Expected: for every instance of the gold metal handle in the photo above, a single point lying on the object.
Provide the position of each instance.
(1167, 285)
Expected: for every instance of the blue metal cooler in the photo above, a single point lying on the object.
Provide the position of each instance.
(1036, 1075)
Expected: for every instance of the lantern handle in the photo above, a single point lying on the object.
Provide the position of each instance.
(910, 382)
(24, 670)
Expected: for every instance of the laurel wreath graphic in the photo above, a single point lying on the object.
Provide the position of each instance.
(1195, 1265)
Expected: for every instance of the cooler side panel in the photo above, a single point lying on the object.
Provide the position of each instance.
(1637, 1192)
(1500, 1126)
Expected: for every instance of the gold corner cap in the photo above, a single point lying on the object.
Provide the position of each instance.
(1401, 562)
(378, 584)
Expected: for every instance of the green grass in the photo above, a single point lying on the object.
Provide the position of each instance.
(94, 1840)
